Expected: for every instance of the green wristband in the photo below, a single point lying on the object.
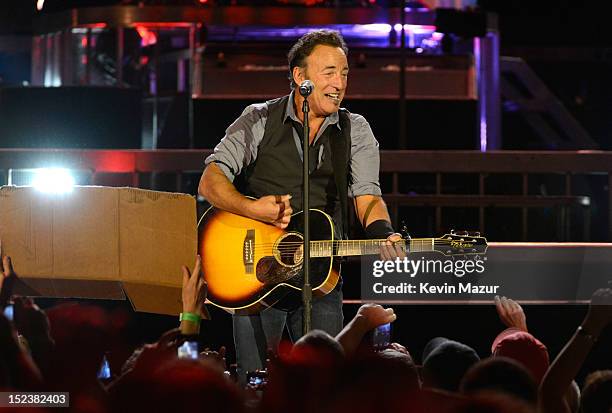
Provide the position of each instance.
(190, 317)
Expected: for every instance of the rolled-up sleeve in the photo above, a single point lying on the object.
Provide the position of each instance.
(365, 159)
(238, 148)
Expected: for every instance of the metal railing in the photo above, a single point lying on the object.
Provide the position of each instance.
(135, 163)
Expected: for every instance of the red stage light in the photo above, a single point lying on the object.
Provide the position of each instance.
(147, 37)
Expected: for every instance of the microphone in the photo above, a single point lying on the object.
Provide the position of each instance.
(306, 88)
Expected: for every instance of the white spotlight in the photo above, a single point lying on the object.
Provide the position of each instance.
(53, 180)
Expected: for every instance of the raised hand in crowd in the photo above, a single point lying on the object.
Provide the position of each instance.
(17, 369)
(7, 278)
(373, 315)
(510, 313)
(368, 317)
(194, 288)
(399, 348)
(194, 292)
(599, 314)
(516, 343)
(33, 324)
(565, 367)
(30, 320)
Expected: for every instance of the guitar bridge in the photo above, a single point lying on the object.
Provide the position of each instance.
(248, 251)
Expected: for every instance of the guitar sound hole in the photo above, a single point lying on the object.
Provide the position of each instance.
(289, 251)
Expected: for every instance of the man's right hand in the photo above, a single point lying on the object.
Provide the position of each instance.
(272, 209)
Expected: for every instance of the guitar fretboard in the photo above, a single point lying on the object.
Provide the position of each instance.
(364, 247)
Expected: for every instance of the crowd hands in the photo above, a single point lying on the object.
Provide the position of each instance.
(62, 350)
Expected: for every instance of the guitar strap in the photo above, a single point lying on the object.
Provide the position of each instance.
(340, 141)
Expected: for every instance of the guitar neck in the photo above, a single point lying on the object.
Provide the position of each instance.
(343, 248)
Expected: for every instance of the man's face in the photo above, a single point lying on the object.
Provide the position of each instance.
(327, 68)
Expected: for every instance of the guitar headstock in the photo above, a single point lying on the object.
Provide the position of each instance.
(461, 243)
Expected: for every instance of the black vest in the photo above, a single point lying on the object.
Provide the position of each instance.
(277, 170)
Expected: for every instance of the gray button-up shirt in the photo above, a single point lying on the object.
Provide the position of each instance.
(238, 148)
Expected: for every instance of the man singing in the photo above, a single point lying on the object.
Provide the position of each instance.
(261, 157)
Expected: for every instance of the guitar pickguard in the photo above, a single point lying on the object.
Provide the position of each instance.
(270, 272)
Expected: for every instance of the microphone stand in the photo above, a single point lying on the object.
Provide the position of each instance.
(307, 288)
(402, 81)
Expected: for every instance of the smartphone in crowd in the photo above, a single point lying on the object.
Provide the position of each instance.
(257, 379)
(9, 312)
(381, 337)
(188, 350)
(105, 372)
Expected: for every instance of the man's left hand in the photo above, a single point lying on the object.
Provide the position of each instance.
(393, 248)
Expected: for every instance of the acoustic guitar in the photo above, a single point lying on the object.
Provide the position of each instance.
(250, 265)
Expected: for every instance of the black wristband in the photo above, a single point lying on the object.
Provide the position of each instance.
(380, 229)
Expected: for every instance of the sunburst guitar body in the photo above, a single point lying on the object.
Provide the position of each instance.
(249, 265)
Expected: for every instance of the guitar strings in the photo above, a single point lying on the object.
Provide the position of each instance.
(288, 255)
(313, 243)
(327, 244)
(348, 242)
(295, 250)
(289, 252)
(291, 248)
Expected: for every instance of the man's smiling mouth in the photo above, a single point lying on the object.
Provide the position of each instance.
(335, 97)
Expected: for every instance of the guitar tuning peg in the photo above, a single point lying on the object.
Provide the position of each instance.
(474, 233)
(462, 233)
(404, 230)
(452, 231)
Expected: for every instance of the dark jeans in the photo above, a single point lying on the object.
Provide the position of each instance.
(255, 334)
